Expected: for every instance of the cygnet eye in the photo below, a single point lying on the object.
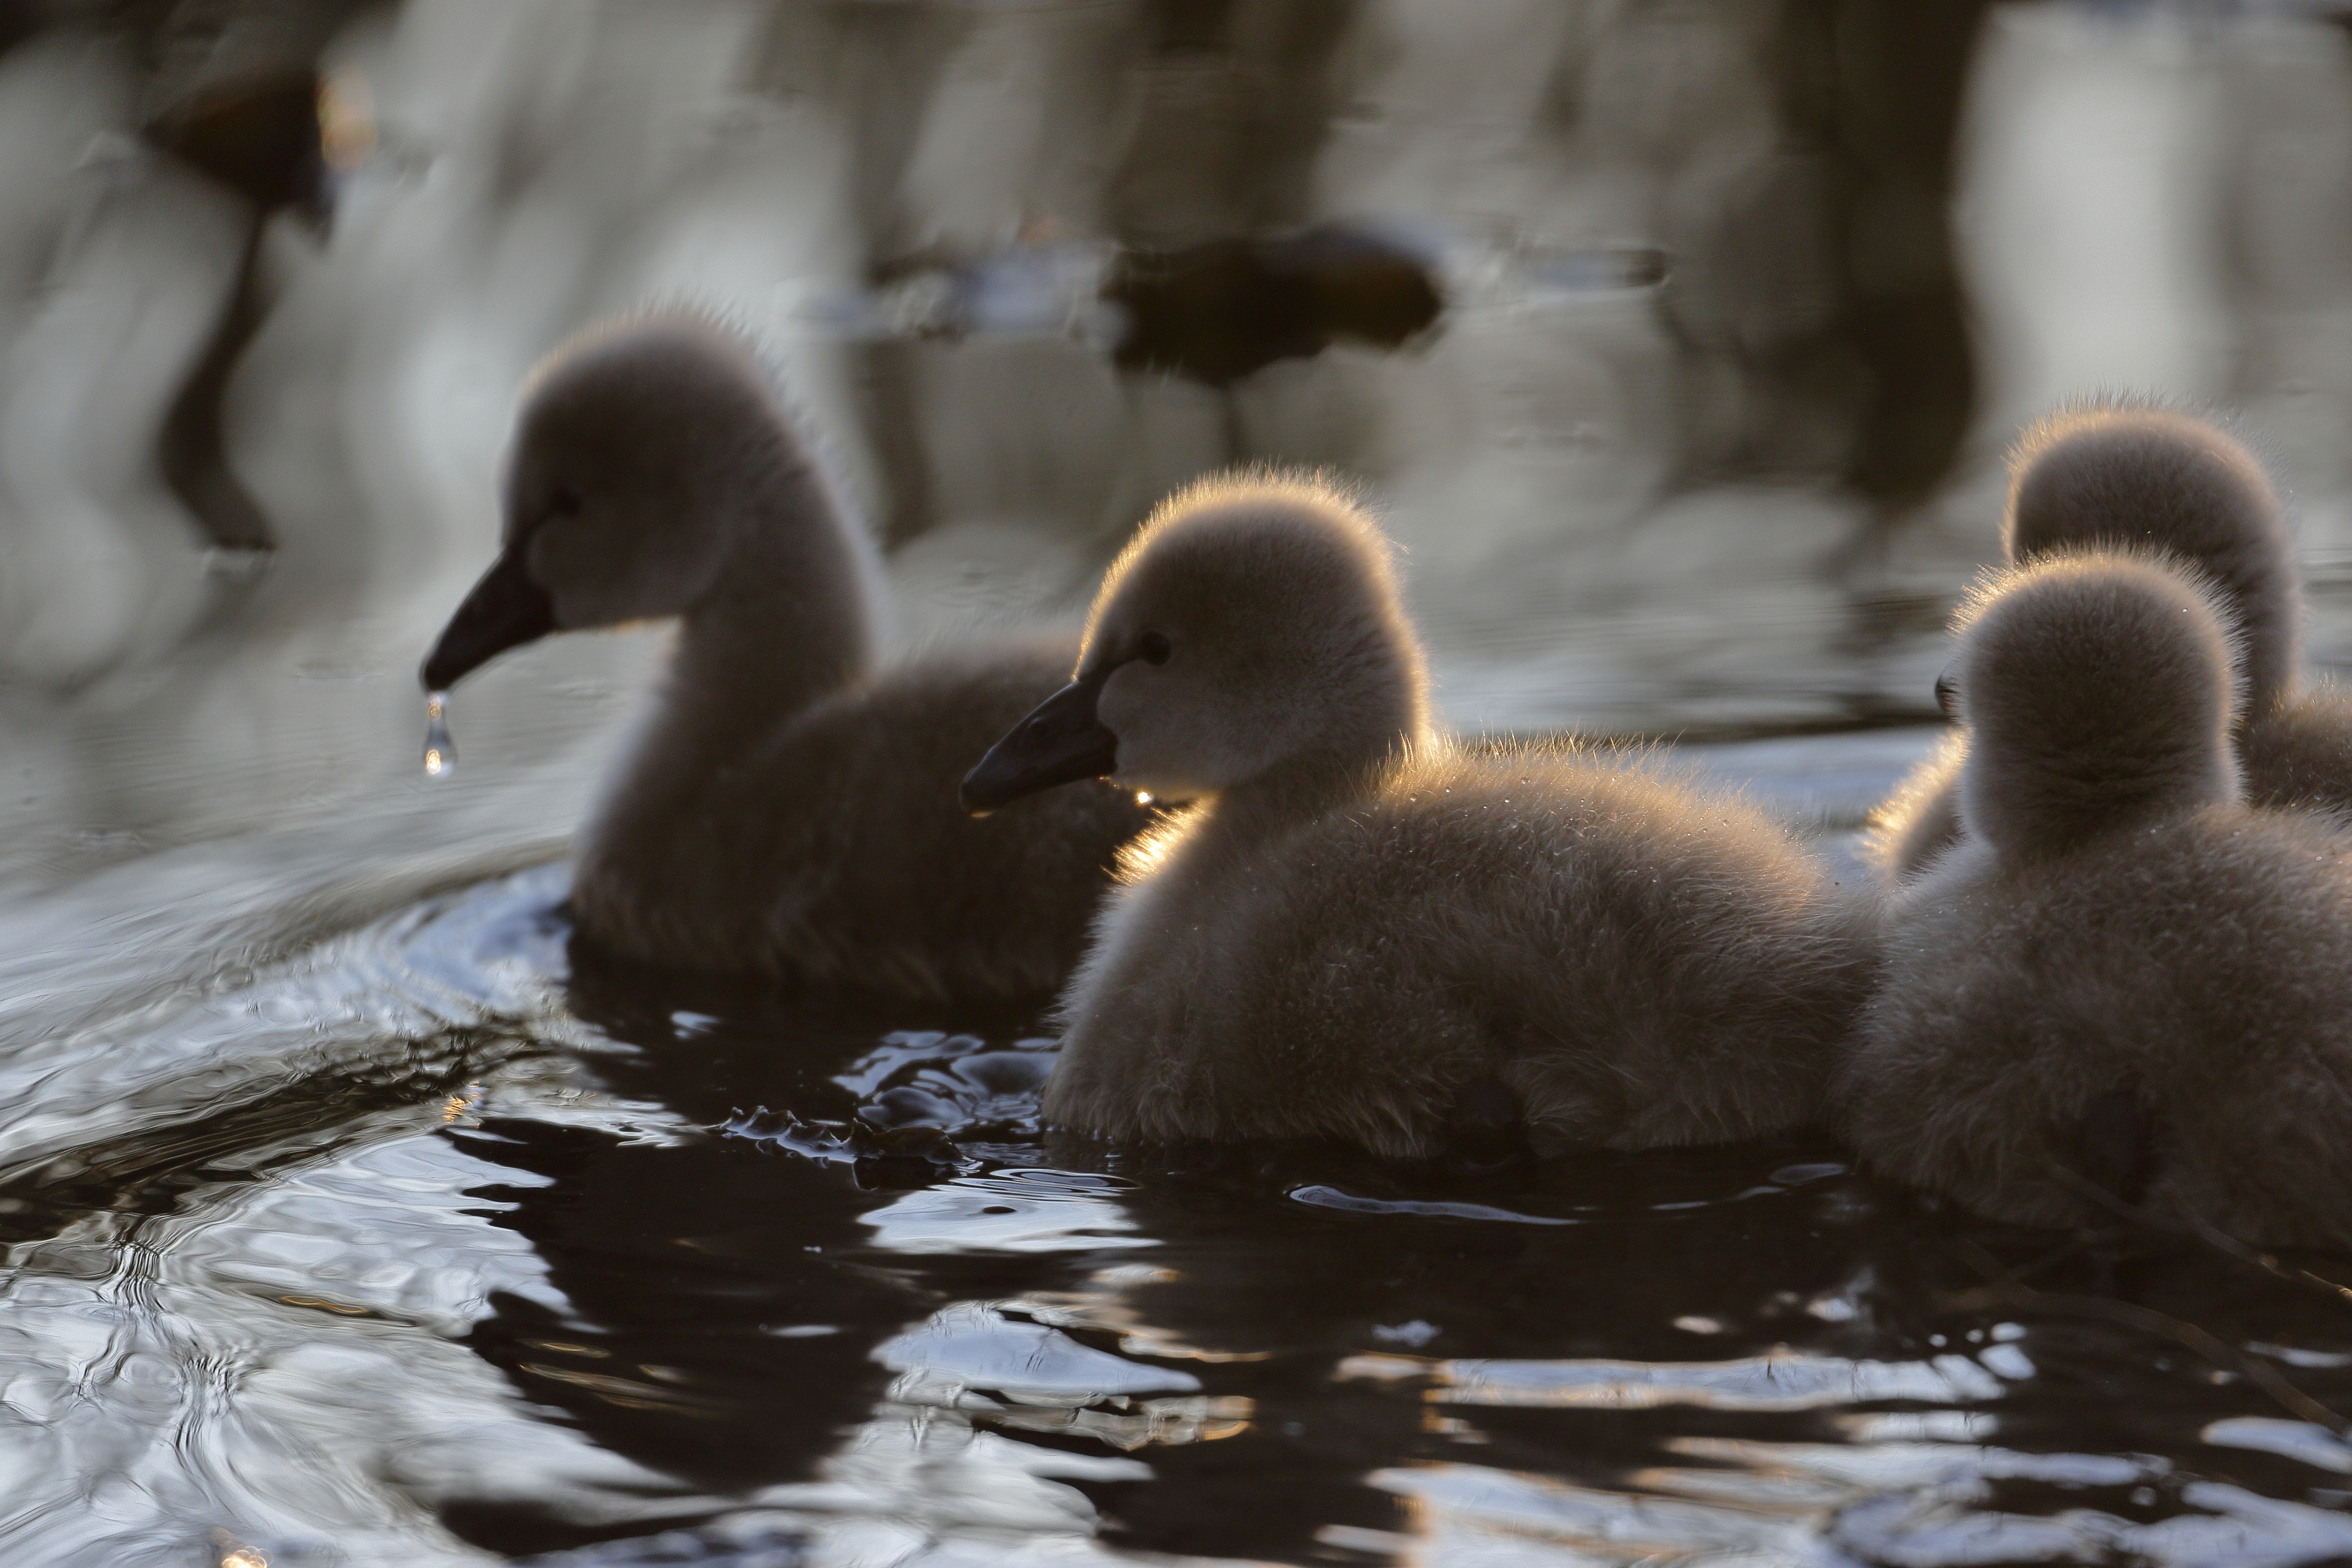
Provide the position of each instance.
(1948, 693)
(563, 501)
(1153, 648)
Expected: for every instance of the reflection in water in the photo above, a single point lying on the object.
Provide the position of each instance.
(1776, 1381)
(1692, 442)
(261, 135)
(1218, 311)
(1646, 329)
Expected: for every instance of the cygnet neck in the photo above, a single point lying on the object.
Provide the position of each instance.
(1311, 784)
(2031, 817)
(793, 616)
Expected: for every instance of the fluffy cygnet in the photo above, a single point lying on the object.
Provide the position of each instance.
(789, 807)
(1360, 929)
(2123, 976)
(2152, 478)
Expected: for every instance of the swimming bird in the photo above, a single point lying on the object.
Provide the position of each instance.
(2125, 984)
(789, 807)
(1360, 929)
(2157, 478)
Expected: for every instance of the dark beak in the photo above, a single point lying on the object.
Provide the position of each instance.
(1059, 742)
(1947, 691)
(505, 610)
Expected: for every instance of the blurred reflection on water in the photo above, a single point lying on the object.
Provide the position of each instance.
(1734, 307)
(1677, 342)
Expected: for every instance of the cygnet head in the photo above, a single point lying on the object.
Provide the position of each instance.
(1251, 630)
(2155, 479)
(2098, 689)
(644, 454)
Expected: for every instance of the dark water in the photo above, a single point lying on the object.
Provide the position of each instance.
(439, 1241)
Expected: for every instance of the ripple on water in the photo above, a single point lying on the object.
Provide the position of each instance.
(438, 1242)
(1780, 1380)
(1009, 1210)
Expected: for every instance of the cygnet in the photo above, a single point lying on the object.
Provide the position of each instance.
(789, 807)
(1360, 929)
(2123, 979)
(2154, 479)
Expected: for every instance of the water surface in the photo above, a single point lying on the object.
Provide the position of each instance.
(432, 1240)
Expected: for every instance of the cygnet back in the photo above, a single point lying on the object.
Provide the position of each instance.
(2125, 981)
(1361, 929)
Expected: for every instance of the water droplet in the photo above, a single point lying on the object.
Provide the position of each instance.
(440, 752)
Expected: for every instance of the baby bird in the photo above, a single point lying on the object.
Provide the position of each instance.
(1364, 931)
(789, 807)
(2151, 478)
(2124, 977)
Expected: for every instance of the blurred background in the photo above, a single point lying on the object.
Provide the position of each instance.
(1677, 339)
